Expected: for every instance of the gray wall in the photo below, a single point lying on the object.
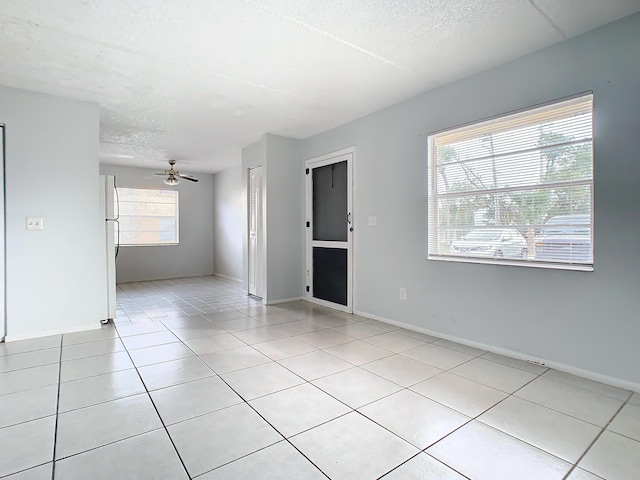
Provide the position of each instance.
(284, 205)
(253, 155)
(583, 321)
(285, 219)
(194, 255)
(56, 276)
(227, 223)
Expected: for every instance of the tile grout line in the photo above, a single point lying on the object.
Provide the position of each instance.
(538, 375)
(355, 410)
(604, 429)
(574, 465)
(164, 426)
(55, 430)
(560, 412)
(416, 455)
(262, 417)
(471, 419)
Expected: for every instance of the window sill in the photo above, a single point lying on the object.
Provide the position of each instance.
(513, 263)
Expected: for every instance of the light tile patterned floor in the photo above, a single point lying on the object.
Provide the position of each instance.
(198, 380)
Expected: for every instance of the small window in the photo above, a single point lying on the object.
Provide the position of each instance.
(515, 190)
(147, 216)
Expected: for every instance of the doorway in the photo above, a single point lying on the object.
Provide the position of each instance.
(329, 231)
(3, 310)
(256, 232)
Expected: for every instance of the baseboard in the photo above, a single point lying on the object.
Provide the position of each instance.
(596, 377)
(160, 279)
(227, 277)
(57, 331)
(284, 300)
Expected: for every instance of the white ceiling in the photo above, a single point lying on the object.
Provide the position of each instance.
(196, 80)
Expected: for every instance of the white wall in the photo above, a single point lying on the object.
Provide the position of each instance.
(55, 276)
(227, 223)
(580, 320)
(194, 255)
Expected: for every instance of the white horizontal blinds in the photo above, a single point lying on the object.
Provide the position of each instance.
(519, 172)
(148, 216)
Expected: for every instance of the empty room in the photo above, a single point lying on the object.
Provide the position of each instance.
(304, 240)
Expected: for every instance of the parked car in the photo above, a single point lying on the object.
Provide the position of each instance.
(491, 242)
(566, 238)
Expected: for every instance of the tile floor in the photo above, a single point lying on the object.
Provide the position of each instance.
(197, 380)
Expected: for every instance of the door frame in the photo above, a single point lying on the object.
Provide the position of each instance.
(261, 248)
(3, 236)
(349, 155)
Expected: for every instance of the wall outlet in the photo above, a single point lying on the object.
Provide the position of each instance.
(373, 221)
(35, 223)
(403, 293)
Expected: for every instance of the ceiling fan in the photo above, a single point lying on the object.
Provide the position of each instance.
(174, 176)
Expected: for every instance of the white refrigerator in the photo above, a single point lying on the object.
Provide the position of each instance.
(110, 224)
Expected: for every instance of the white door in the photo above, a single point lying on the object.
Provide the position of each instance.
(329, 228)
(3, 317)
(256, 232)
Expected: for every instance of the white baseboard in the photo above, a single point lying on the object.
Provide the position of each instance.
(56, 331)
(226, 277)
(160, 279)
(283, 300)
(596, 377)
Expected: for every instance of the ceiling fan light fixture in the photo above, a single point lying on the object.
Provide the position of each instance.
(172, 180)
(172, 177)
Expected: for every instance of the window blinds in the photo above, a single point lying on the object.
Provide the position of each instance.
(516, 189)
(148, 216)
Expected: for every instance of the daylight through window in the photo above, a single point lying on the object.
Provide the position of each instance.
(147, 216)
(516, 189)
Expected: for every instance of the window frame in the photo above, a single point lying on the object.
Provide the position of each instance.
(119, 217)
(433, 210)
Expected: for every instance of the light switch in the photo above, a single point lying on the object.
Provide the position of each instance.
(35, 223)
(373, 221)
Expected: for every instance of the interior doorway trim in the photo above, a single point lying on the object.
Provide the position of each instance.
(313, 246)
(256, 233)
(3, 241)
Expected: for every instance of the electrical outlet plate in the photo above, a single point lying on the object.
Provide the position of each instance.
(372, 221)
(35, 223)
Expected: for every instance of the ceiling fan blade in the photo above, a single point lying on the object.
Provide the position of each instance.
(159, 173)
(190, 178)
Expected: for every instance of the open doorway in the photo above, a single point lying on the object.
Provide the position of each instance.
(256, 232)
(3, 317)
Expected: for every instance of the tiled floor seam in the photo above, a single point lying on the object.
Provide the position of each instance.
(573, 464)
(285, 438)
(55, 428)
(106, 444)
(164, 426)
(421, 452)
(604, 429)
(474, 418)
(563, 413)
(538, 375)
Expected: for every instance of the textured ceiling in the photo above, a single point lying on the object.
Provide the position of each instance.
(196, 80)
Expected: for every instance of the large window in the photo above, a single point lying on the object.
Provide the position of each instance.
(147, 216)
(515, 190)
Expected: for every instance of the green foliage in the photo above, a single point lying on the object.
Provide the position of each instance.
(566, 163)
(560, 161)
